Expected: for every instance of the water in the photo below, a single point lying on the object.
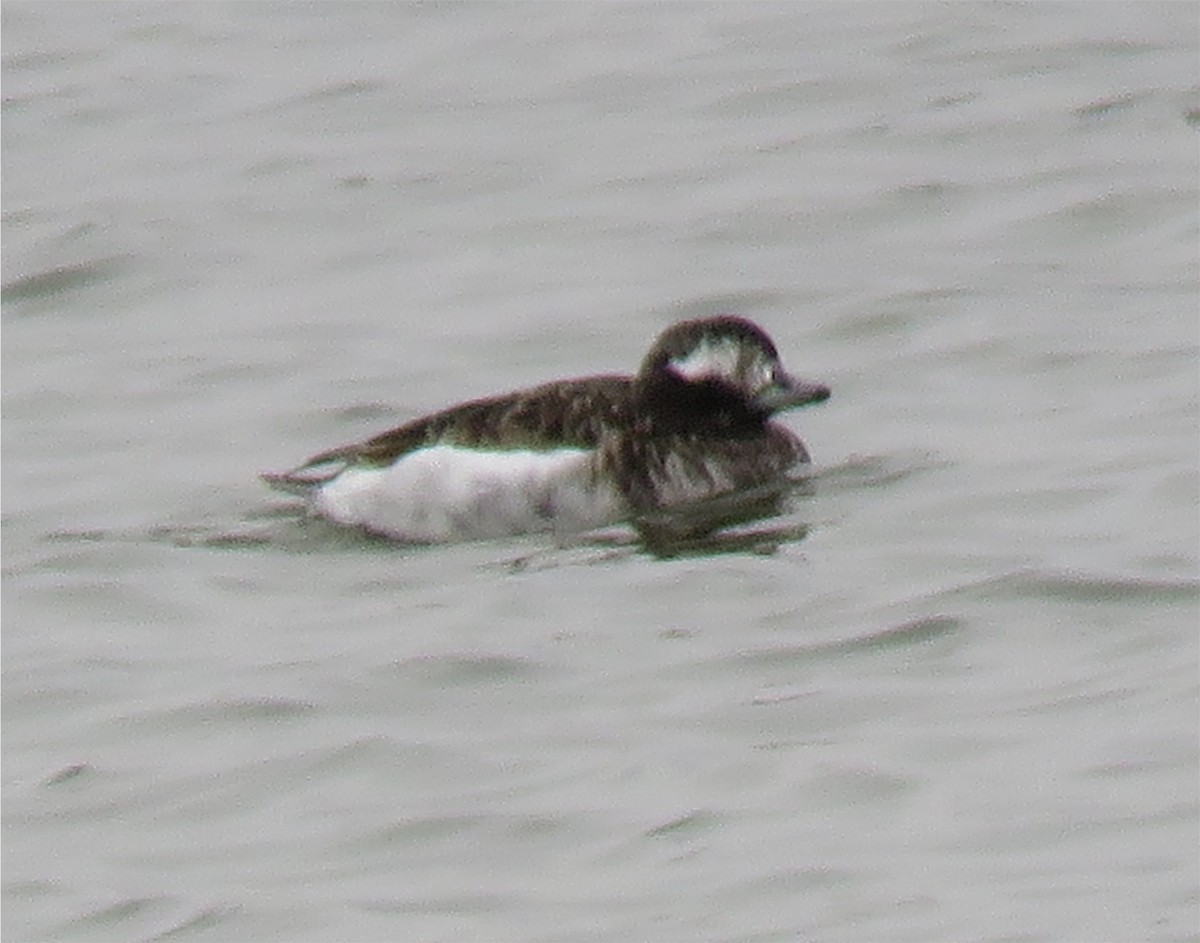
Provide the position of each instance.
(951, 695)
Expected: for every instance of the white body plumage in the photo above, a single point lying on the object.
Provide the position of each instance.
(446, 493)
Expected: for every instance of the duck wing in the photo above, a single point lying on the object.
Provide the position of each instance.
(570, 414)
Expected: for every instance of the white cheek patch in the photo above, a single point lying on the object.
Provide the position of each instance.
(710, 359)
(729, 361)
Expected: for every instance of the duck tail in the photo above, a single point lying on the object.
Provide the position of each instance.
(307, 478)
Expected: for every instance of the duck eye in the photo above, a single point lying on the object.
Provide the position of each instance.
(763, 374)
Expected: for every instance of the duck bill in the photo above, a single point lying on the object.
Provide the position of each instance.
(788, 392)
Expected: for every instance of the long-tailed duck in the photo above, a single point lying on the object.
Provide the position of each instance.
(575, 455)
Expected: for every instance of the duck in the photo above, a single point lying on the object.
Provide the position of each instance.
(693, 425)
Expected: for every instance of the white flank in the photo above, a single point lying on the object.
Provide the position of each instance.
(448, 493)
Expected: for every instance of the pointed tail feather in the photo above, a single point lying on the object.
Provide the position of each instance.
(310, 476)
(289, 483)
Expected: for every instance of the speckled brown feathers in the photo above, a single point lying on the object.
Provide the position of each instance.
(568, 414)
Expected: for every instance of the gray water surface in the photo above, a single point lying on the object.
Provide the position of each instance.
(952, 695)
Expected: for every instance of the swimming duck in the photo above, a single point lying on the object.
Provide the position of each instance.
(694, 423)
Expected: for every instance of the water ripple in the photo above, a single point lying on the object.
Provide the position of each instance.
(1074, 587)
(60, 279)
(919, 631)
